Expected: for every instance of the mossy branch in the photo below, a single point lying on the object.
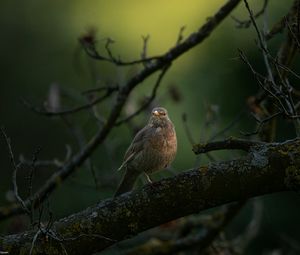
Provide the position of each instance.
(267, 168)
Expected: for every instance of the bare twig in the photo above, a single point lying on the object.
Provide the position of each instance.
(187, 129)
(145, 46)
(99, 89)
(32, 170)
(148, 101)
(14, 174)
(76, 131)
(282, 94)
(261, 123)
(30, 182)
(247, 23)
(90, 49)
(34, 240)
(46, 163)
(180, 35)
(262, 81)
(279, 26)
(262, 42)
(294, 36)
(236, 119)
(69, 111)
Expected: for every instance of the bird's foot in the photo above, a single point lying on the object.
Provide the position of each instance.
(148, 178)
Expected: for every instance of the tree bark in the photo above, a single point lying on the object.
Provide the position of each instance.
(267, 168)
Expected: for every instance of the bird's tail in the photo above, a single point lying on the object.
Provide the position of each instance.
(127, 182)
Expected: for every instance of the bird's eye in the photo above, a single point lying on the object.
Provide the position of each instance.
(162, 113)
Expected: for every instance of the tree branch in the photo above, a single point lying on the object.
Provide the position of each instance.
(228, 144)
(269, 168)
(88, 105)
(201, 240)
(77, 160)
(149, 99)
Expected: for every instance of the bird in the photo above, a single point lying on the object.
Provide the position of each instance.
(153, 148)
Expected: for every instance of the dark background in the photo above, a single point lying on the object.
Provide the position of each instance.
(39, 47)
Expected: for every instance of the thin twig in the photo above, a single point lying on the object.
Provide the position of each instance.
(91, 51)
(15, 170)
(187, 129)
(262, 42)
(99, 89)
(295, 38)
(281, 94)
(180, 35)
(148, 101)
(261, 123)
(145, 46)
(34, 240)
(81, 141)
(247, 23)
(30, 182)
(258, 77)
(229, 126)
(46, 163)
(69, 111)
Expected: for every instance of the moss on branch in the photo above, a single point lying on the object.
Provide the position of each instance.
(266, 169)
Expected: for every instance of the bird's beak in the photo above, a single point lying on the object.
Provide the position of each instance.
(156, 113)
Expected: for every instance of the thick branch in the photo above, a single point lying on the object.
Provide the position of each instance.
(228, 144)
(266, 169)
(166, 59)
(201, 240)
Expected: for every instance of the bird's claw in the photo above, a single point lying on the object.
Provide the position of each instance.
(148, 178)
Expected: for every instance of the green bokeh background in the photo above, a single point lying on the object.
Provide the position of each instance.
(39, 47)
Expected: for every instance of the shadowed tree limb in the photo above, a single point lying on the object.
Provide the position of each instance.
(166, 59)
(200, 240)
(228, 144)
(269, 168)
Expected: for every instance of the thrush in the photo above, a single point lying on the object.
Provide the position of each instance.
(153, 148)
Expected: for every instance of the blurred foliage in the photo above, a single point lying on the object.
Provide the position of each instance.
(39, 48)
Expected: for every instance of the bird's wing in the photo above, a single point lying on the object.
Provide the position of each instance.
(137, 145)
(125, 161)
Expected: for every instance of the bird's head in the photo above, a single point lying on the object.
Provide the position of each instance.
(159, 116)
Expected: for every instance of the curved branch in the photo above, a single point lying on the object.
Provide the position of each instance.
(247, 23)
(269, 168)
(88, 105)
(228, 144)
(148, 101)
(78, 159)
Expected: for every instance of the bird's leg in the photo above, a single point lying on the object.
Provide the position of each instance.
(148, 178)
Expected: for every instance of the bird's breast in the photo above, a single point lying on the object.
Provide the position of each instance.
(158, 130)
(164, 139)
